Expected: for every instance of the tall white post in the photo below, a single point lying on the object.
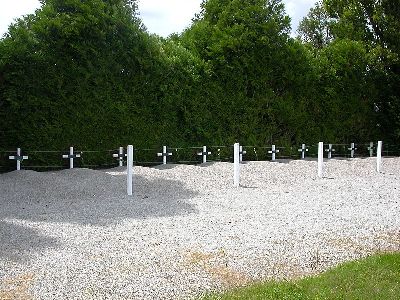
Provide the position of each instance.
(204, 154)
(236, 165)
(320, 158)
(129, 170)
(379, 157)
(18, 160)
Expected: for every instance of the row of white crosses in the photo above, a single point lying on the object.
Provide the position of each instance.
(352, 150)
(19, 158)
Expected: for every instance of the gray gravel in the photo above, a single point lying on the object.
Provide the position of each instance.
(74, 234)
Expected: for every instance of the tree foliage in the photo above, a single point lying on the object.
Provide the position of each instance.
(87, 73)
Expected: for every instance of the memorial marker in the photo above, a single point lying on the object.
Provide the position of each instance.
(120, 156)
(19, 158)
(164, 154)
(330, 150)
(273, 152)
(204, 153)
(71, 156)
(303, 151)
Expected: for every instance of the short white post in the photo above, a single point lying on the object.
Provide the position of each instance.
(204, 154)
(129, 170)
(330, 150)
(18, 158)
(303, 151)
(273, 152)
(352, 149)
(71, 157)
(164, 155)
(320, 158)
(379, 157)
(236, 165)
(120, 156)
(371, 149)
(241, 153)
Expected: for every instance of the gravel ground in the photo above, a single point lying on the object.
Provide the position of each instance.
(74, 234)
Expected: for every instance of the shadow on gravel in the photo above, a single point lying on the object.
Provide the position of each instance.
(81, 196)
(89, 197)
(17, 242)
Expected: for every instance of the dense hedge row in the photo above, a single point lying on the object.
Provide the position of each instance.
(87, 74)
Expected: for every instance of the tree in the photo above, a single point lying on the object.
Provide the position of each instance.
(315, 27)
(376, 23)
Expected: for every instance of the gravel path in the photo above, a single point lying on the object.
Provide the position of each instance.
(74, 234)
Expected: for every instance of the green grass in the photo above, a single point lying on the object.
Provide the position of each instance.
(376, 277)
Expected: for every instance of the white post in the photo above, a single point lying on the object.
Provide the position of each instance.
(320, 158)
(129, 170)
(236, 165)
(379, 157)
(18, 160)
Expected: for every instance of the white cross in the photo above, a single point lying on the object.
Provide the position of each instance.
(352, 150)
(371, 149)
(18, 158)
(273, 152)
(204, 154)
(330, 150)
(241, 153)
(120, 156)
(71, 156)
(164, 155)
(303, 151)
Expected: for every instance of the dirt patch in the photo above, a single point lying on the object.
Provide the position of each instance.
(16, 288)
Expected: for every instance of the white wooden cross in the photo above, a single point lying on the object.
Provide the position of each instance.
(164, 155)
(303, 151)
(352, 149)
(273, 152)
(330, 150)
(71, 156)
(371, 149)
(204, 154)
(19, 158)
(120, 156)
(241, 153)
